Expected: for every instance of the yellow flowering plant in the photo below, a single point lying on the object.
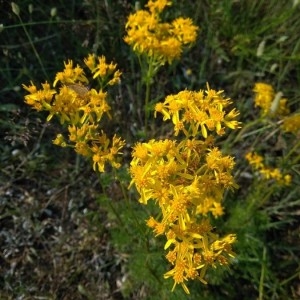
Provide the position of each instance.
(291, 124)
(272, 172)
(186, 176)
(270, 103)
(156, 42)
(187, 179)
(165, 216)
(267, 173)
(81, 108)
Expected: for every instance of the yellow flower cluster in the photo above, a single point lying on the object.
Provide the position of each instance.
(81, 109)
(187, 180)
(203, 110)
(158, 40)
(108, 73)
(291, 123)
(270, 103)
(267, 173)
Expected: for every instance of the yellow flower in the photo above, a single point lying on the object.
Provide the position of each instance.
(70, 74)
(270, 103)
(287, 179)
(187, 180)
(169, 49)
(82, 148)
(184, 30)
(66, 106)
(283, 109)
(81, 108)
(31, 88)
(39, 99)
(95, 106)
(116, 78)
(217, 209)
(193, 255)
(105, 151)
(90, 62)
(198, 112)
(162, 42)
(157, 6)
(255, 160)
(264, 96)
(291, 124)
(59, 141)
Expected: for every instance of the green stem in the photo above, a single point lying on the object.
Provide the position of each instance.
(149, 68)
(148, 75)
(60, 21)
(285, 281)
(262, 275)
(33, 48)
(296, 146)
(147, 96)
(243, 132)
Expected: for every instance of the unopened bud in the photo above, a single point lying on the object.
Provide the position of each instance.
(53, 12)
(30, 8)
(15, 8)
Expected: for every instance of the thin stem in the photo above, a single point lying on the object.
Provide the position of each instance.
(29, 24)
(262, 275)
(139, 86)
(296, 146)
(243, 132)
(147, 96)
(33, 48)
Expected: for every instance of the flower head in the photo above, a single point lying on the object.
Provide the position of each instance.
(81, 108)
(291, 124)
(157, 6)
(162, 42)
(198, 112)
(70, 74)
(267, 173)
(268, 101)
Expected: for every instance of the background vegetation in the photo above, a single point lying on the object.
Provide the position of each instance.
(67, 234)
